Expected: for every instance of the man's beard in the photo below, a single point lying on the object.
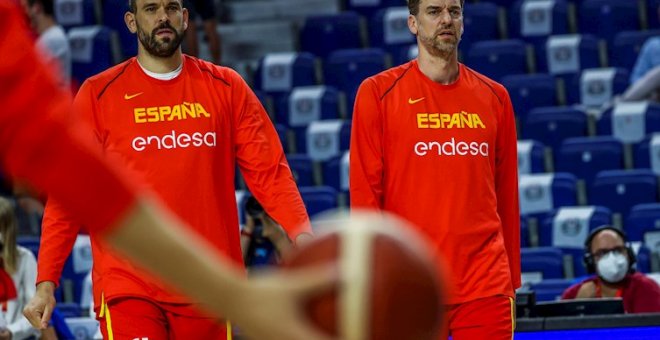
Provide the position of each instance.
(439, 48)
(164, 48)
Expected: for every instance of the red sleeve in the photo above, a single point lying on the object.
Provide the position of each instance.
(58, 234)
(262, 162)
(646, 296)
(506, 186)
(35, 145)
(571, 292)
(366, 156)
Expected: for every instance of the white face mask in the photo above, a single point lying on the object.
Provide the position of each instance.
(612, 267)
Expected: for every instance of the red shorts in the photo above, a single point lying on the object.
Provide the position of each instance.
(487, 318)
(141, 319)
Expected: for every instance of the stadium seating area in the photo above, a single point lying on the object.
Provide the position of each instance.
(584, 160)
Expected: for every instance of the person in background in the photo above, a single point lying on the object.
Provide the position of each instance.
(52, 39)
(206, 10)
(434, 142)
(612, 260)
(648, 58)
(38, 147)
(21, 265)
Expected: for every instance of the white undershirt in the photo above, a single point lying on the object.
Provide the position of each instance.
(162, 76)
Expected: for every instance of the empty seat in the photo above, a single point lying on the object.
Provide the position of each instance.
(346, 69)
(318, 199)
(567, 228)
(643, 218)
(389, 30)
(93, 49)
(605, 18)
(498, 58)
(626, 46)
(113, 17)
(336, 31)
(652, 8)
(302, 169)
(541, 193)
(30, 242)
(630, 122)
(594, 88)
(282, 134)
(305, 105)
(550, 289)
(541, 263)
(76, 267)
(335, 172)
(530, 157)
(528, 91)
(552, 125)
(647, 153)
(74, 13)
(480, 22)
(569, 54)
(326, 139)
(586, 156)
(620, 190)
(278, 73)
(369, 7)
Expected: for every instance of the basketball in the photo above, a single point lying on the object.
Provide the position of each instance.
(389, 289)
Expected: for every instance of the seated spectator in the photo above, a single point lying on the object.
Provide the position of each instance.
(612, 260)
(52, 41)
(646, 88)
(649, 57)
(21, 265)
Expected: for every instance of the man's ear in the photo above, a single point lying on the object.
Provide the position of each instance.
(129, 19)
(412, 24)
(186, 15)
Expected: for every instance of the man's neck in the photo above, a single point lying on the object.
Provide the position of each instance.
(610, 289)
(441, 69)
(157, 64)
(44, 23)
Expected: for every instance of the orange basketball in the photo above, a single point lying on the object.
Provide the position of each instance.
(391, 288)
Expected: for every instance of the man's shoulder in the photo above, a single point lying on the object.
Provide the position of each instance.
(388, 78)
(217, 72)
(111, 74)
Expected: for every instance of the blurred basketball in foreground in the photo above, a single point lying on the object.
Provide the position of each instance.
(391, 289)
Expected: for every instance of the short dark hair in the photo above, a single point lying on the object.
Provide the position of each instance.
(413, 6)
(132, 5)
(48, 6)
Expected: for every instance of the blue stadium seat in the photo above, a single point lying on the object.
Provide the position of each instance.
(369, 7)
(388, 29)
(76, 267)
(652, 8)
(647, 153)
(326, 139)
(528, 91)
(318, 199)
(642, 218)
(525, 239)
(596, 87)
(534, 21)
(406, 54)
(569, 54)
(69, 309)
(545, 260)
(625, 48)
(302, 169)
(480, 22)
(335, 172)
(605, 18)
(113, 17)
(282, 134)
(567, 228)
(498, 58)
(305, 105)
(30, 242)
(336, 31)
(551, 289)
(643, 259)
(93, 50)
(586, 156)
(620, 190)
(541, 193)
(630, 122)
(74, 13)
(530, 157)
(346, 69)
(278, 73)
(552, 125)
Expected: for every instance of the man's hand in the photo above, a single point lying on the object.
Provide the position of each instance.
(40, 308)
(272, 305)
(587, 290)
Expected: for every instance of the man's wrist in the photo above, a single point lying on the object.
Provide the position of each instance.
(48, 286)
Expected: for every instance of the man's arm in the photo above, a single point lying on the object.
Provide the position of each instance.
(366, 156)
(506, 186)
(262, 162)
(643, 63)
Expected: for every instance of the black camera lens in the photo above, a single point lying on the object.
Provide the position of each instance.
(253, 207)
